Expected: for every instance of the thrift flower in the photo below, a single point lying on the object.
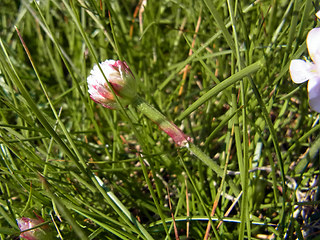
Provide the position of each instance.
(302, 71)
(39, 233)
(121, 79)
(123, 83)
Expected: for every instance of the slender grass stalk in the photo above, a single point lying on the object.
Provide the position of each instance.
(65, 211)
(244, 159)
(154, 197)
(221, 86)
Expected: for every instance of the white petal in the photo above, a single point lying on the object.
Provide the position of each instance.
(314, 94)
(313, 45)
(300, 71)
(318, 14)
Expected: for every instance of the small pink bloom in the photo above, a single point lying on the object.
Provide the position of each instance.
(121, 79)
(25, 223)
(301, 71)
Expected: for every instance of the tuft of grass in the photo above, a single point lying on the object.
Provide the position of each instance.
(218, 69)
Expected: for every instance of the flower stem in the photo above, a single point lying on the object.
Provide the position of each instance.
(213, 165)
(180, 138)
(164, 124)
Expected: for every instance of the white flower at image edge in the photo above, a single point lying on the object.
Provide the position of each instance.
(301, 71)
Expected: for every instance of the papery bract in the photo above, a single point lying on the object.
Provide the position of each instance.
(120, 77)
(301, 71)
(176, 134)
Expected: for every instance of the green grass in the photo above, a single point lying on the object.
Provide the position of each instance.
(95, 173)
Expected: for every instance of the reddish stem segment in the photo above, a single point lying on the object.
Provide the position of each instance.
(164, 124)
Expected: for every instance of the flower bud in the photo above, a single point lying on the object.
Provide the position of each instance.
(120, 78)
(39, 233)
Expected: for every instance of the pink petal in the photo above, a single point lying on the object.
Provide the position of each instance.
(300, 71)
(104, 92)
(314, 94)
(313, 45)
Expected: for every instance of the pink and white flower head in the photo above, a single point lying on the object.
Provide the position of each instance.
(121, 79)
(302, 71)
(25, 223)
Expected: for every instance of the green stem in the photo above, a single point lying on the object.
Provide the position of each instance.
(180, 138)
(213, 165)
(164, 124)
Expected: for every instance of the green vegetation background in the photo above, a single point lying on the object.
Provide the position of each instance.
(249, 118)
